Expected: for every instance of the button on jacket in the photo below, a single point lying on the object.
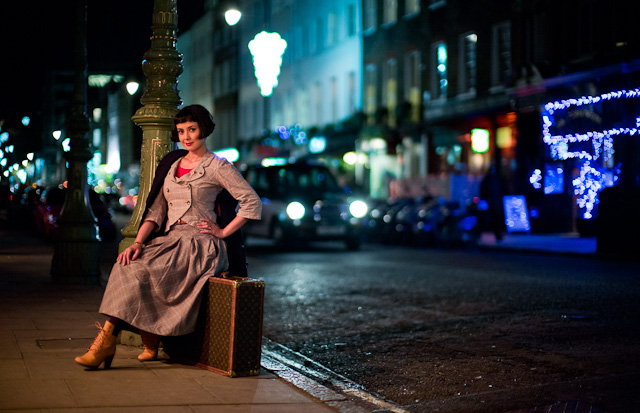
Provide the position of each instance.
(192, 196)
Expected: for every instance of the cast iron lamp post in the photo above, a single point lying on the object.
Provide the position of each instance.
(162, 65)
(76, 258)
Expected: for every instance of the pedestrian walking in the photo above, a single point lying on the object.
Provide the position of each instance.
(492, 191)
(155, 286)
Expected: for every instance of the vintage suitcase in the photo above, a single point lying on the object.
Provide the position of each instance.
(230, 326)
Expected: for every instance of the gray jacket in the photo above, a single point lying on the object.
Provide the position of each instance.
(193, 196)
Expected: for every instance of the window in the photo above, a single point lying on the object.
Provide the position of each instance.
(539, 38)
(313, 38)
(217, 80)
(334, 100)
(289, 108)
(581, 25)
(255, 109)
(233, 83)
(305, 46)
(332, 29)
(370, 104)
(411, 7)
(226, 77)
(439, 80)
(277, 6)
(370, 15)
(436, 4)
(319, 35)
(390, 85)
(296, 47)
(501, 54)
(468, 63)
(390, 11)
(413, 84)
(351, 20)
(318, 104)
(258, 13)
(303, 106)
(277, 113)
(351, 96)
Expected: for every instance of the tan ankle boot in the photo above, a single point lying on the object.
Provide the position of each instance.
(102, 349)
(150, 343)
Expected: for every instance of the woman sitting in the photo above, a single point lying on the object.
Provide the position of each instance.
(157, 287)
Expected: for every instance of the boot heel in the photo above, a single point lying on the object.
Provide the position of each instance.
(150, 343)
(107, 362)
(102, 349)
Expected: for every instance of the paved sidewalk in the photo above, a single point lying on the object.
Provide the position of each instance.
(569, 243)
(44, 326)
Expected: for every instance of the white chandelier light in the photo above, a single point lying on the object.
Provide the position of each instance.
(267, 49)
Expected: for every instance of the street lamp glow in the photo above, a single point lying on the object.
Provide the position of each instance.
(358, 208)
(317, 144)
(22, 176)
(266, 50)
(230, 154)
(132, 87)
(232, 17)
(350, 158)
(57, 134)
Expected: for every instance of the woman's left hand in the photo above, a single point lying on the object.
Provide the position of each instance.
(207, 227)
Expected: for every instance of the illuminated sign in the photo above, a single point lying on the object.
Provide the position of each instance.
(516, 216)
(553, 180)
(479, 140)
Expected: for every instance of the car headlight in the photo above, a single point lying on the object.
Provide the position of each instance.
(358, 209)
(295, 210)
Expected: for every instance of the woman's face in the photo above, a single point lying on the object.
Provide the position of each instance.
(189, 135)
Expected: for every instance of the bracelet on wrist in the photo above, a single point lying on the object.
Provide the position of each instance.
(139, 243)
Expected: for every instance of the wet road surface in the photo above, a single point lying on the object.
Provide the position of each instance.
(460, 331)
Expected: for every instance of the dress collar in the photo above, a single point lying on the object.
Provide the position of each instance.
(196, 172)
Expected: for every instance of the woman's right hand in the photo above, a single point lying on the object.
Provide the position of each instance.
(129, 254)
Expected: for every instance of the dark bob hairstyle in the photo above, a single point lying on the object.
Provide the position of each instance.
(193, 113)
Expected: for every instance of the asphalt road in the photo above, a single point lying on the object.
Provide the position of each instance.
(460, 331)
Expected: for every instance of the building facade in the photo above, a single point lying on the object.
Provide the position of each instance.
(437, 75)
(429, 94)
(318, 93)
(452, 87)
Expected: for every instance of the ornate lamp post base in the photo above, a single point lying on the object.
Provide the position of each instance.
(67, 268)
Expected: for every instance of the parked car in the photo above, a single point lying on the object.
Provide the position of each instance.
(424, 222)
(302, 202)
(50, 206)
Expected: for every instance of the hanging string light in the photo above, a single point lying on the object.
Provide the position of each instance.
(591, 179)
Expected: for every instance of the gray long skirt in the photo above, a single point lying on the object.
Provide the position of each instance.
(160, 291)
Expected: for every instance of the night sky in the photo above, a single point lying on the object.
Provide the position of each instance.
(39, 37)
